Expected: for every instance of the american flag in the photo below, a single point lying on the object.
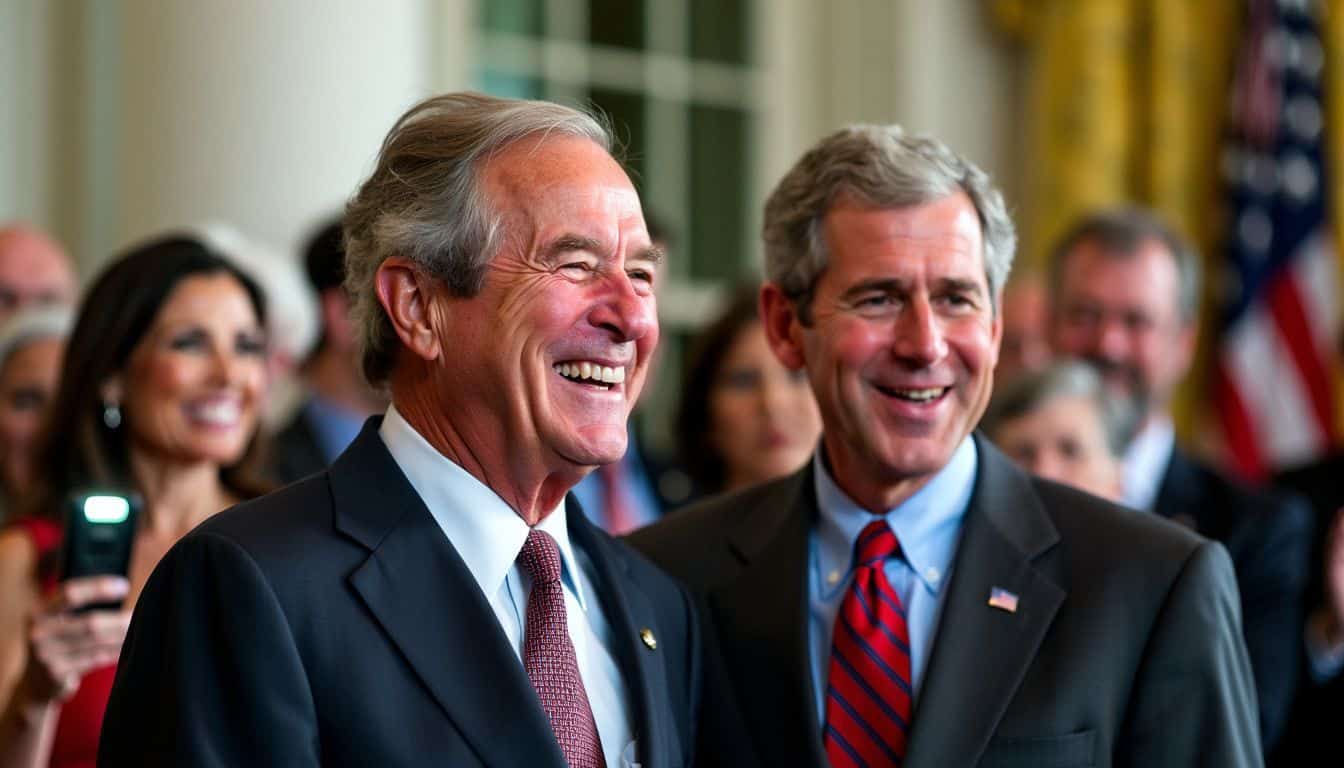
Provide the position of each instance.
(1003, 600)
(1273, 392)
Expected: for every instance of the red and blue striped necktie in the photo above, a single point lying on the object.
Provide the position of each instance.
(868, 696)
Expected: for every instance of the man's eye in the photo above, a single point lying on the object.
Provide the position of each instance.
(577, 267)
(876, 300)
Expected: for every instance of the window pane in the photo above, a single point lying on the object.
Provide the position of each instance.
(719, 30)
(626, 111)
(618, 23)
(512, 17)
(719, 189)
(509, 85)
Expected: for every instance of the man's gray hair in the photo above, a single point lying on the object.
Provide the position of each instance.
(881, 166)
(424, 201)
(1065, 378)
(1120, 232)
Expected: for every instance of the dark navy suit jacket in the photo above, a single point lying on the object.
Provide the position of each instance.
(332, 623)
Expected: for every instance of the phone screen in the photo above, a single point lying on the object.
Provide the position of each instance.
(99, 531)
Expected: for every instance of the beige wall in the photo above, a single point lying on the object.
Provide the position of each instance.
(935, 66)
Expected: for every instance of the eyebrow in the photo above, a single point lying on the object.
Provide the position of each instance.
(959, 284)
(894, 285)
(569, 243)
(884, 284)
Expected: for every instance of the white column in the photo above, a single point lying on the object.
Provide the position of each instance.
(260, 114)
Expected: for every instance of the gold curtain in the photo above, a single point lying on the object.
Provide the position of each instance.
(1126, 102)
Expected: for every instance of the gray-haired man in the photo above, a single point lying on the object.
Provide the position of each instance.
(432, 599)
(911, 597)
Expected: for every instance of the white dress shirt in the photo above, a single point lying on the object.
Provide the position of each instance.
(488, 535)
(1145, 464)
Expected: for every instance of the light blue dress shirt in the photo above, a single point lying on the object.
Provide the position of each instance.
(928, 526)
(335, 427)
(488, 534)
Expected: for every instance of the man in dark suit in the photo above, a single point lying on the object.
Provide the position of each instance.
(1125, 297)
(911, 598)
(339, 399)
(432, 599)
(1311, 735)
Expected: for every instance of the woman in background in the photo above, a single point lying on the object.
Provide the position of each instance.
(31, 345)
(160, 392)
(744, 417)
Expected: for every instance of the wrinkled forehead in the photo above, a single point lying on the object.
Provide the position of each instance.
(539, 169)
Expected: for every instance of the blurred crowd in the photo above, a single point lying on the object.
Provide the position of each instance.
(197, 370)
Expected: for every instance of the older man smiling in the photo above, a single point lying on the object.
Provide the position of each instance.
(433, 598)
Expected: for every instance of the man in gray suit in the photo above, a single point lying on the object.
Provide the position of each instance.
(909, 597)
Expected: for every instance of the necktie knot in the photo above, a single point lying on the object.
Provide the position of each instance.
(875, 543)
(540, 558)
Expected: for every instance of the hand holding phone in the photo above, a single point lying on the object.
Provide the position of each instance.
(66, 643)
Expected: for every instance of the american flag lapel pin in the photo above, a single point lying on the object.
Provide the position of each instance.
(1002, 599)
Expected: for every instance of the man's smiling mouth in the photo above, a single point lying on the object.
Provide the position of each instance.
(585, 372)
(924, 395)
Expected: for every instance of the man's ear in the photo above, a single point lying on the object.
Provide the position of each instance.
(783, 328)
(1187, 337)
(407, 296)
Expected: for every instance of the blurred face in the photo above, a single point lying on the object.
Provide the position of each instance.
(1025, 347)
(193, 386)
(552, 354)
(27, 382)
(902, 344)
(764, 420)
(33, 270)
(1064, 440)
(1120, 312)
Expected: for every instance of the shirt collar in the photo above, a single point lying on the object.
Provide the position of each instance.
(1146, 461)
(927, 524)
(486, 532)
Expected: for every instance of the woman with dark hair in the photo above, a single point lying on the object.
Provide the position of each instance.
(744, 417)
(160, 390)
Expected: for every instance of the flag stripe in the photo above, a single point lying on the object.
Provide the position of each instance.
(1297, 333)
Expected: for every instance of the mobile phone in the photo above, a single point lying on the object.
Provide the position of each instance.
(99, 531)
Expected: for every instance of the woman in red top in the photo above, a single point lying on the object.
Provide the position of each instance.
(160, 390)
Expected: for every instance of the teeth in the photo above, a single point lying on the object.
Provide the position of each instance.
(218, 413)
(919, 395)
(591, 372)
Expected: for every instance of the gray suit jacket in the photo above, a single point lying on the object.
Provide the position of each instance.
(1125, 648)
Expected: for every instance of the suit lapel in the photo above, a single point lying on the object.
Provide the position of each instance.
(628, 610)
(981, 653)
(763, 613)
(421, 593)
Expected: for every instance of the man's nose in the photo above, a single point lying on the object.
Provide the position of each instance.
(1112, 342)
(919, 334)
(624, 311)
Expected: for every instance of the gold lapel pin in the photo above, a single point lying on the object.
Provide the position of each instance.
(650, 641)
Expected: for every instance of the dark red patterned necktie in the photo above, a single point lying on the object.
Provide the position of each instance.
(868, 696)
(548, 655)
